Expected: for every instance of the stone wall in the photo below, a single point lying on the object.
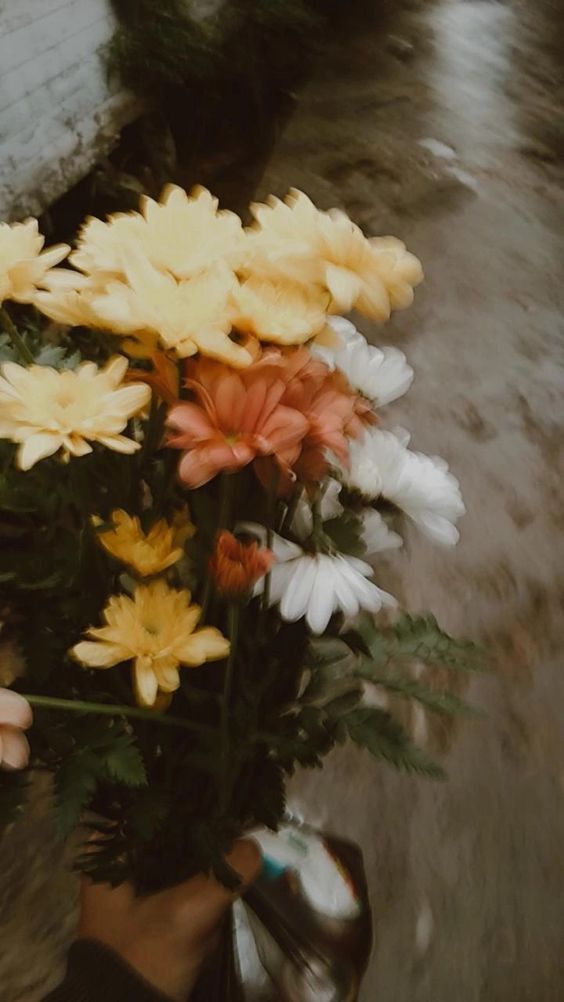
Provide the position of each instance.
(58, 111)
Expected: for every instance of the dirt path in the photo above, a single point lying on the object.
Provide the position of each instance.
(439, 124)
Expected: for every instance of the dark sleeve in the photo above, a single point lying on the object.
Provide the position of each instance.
(96, 974)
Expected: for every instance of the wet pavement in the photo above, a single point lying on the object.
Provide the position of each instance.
(442, 123)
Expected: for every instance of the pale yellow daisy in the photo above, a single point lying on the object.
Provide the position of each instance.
(102, 247)
(187, 234)
(23, 262)
(281, 312)
(44, 410)
(188, 316)
(295, 239)
(156, 629)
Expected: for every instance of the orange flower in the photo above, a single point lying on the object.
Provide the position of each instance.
(334, 412)
(237, 416)
(237, 566)
(163, 377)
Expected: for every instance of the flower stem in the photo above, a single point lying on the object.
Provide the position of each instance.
(272, 499)
(233, 629)
(225, 501)
(15, 337)
(223, 521)
(112, 710)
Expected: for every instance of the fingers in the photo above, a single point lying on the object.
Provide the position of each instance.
(203, 901)
(246, 859)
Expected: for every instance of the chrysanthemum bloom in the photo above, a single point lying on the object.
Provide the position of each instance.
(187, 234)
(23, 263)
(162, 378)
(188, 316)
(236, 417)
(236, 566)
(156, 629)
(15, 717)
(44, 410)
(381, 466)
(146, 553)
(294, 238)
(330, 407)
(379, 374)
(103, 247)
(317, 585)
(281, 312)
(181, 234)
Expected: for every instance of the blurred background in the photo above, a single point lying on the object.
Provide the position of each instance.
(439, 121)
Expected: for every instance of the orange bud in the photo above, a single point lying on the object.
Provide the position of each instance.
(237, 566)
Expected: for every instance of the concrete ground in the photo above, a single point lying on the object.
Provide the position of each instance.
(438, 122)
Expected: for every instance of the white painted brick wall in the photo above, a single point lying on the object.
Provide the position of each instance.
(58, 112)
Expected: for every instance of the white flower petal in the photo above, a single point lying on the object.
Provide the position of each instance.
(296, 599)
(322, 599)
(380, 374)
(376, 535)
(422, 486)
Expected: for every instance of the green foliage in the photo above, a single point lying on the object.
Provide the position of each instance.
(416, 638)
(158, 46)
(384, 738)
(104, 753)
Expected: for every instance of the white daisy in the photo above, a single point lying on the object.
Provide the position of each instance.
(376, 535)
(381, 374)
(329, 507)
(382, 466)
(316, 585)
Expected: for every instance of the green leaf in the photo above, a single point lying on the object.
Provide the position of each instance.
(148, 812)
(438, 700)
(385, 738)
(345, 532)
(414, 638)
(124, 764)
(103, 753)
(75, 783)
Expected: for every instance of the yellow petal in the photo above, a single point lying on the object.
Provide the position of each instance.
(343, 285)
(144, 682)
(37, 447)
(207, 644)
(99, 655)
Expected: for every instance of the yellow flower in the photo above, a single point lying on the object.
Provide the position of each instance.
(23, 265)
(68, 299)
(188, 316)
(156, 629)
(186, 235)
(45, 410)
(147, 553)
(282, 311)
(295, 239)
(103, 246)
(76, 307)
(181, 234)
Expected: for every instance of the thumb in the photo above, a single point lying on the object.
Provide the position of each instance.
(205, 900)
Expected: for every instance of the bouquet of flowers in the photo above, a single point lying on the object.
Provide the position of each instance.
(196, 489)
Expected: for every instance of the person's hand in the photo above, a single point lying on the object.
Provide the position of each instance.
(166, 937)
